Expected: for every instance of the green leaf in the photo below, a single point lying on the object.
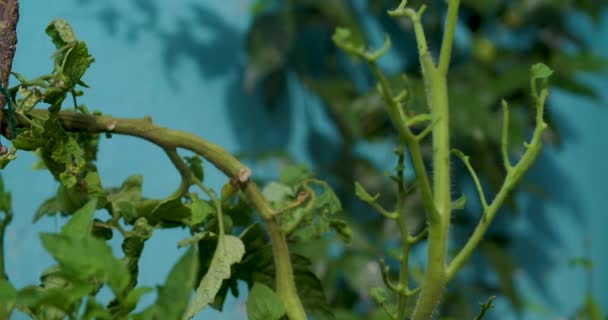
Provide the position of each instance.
(50, 206)
(27, 140)
(82, 256)
(93, 184)
(541, 71)
(264, 304)
(5, 198)
(170, 210)
(95, 311)
(294, 175)
(6, 158)
(200, 210)
(130, 302)
(278, 193)
(239, 211)
(8, 298)
(60, 32)
(81, 223)
(59, 294)
(229, 250)
(76, 63)
(62, 153)
(363, 195)
(173, 295)
(123, 201)
(329, 201)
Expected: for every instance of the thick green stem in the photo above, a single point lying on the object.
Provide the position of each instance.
(169, 139)
(435, 280)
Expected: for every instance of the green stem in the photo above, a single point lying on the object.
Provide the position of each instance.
(169, 139)
(448, 36)
(399, 120)
(514, 175)
(405, 236)
(435, 280)
(437, 98)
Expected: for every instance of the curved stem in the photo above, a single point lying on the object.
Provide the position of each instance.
(170, 139)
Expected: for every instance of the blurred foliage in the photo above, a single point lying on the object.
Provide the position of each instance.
(496, 43)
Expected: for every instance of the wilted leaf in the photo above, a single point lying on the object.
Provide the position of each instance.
(60, 32)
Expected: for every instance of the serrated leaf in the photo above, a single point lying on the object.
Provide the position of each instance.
(8, 298)
(229, 250)
(264, 304)
(363, 195)
(540, 71)
(294, 175)
(86, 257)
(60, 32)
(173, 295)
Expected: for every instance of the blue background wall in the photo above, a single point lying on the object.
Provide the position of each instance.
(183, 67)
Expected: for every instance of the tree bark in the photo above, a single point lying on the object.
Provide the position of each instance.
(9, 15)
